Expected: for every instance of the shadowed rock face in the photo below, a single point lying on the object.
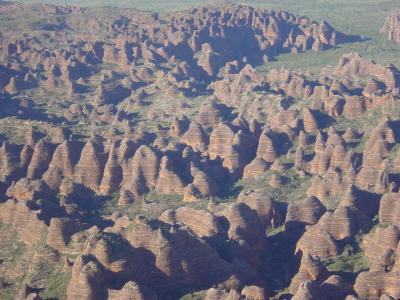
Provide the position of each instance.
(306, 212)
(23, 220)
(112, 175)
(353, 63)
(195, 137)
(182, 258)
(209, 149)
(264, 206)
(267, 147)
(168, 181)
(60, 232)
(310, 269)
(332, 288)
(60, 166)
(150, 156)
(378, 245)
(203, 223)
(381, 247)
(41, 157)
(257, 167)
(389, 209)
(142, 170)
(91, 159)
(87, 279)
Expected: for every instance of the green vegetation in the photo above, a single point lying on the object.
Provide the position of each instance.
(44, 268)
(357, 17)
(38, 265)
(352, 259)
(150, 205)
(279, 293)
(332, 201)
(194, 296)
(293, 188)
(12, 263)
(368, 119)
(53, 276)
(275, 231)
(159, 5)
(353, 263)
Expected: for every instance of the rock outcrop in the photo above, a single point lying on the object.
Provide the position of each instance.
(391, 28)
(305, 212)
(149, 156)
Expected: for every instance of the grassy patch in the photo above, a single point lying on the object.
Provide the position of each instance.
(332, 201)
(353, 263)
(56, 280)
(294, 186)
(194, 296)
(150, 205)
(357, 17)
(274, 231)
(352, 260)
(367, 120)
(13, 264)
(38, 265)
